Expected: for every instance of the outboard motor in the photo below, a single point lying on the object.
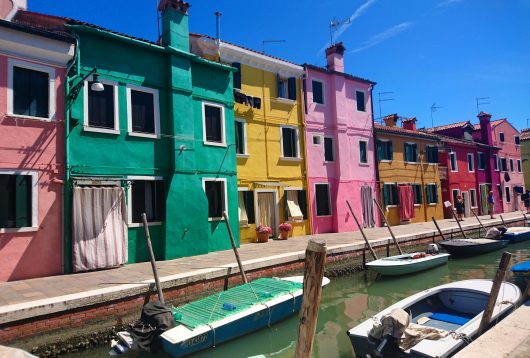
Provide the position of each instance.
(385, 335)
(493, 233)
(432, 249)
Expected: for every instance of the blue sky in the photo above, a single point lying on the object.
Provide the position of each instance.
(446, 52)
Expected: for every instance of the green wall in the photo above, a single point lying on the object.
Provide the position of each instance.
(525, 159)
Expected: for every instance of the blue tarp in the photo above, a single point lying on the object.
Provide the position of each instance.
(450, 318)
(522, 267)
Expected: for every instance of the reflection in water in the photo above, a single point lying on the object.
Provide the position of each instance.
(346, 302)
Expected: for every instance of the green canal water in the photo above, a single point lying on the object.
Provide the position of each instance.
(347, 301)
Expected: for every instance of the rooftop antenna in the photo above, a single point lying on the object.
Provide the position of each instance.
(334, 25)
(434, 107)
(158, 17)
(268, 42)
(383, 100)
(479, 103)
(528, 119)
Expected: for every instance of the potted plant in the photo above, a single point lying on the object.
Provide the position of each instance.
(284, 230)
(263, 233)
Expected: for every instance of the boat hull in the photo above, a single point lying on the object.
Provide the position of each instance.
(517, 234)
(468, 247)
(392, 266)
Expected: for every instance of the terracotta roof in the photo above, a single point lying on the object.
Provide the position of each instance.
(345, 75)
(447, 126)
(405, 132)
(56, 35)
(494, 124)
(525, 134)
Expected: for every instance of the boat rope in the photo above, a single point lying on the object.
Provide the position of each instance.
(213, 330)
(294, 300)
(461, 336)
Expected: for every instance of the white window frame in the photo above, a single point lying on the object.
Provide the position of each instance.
(156, 114)
(323, 92)
(332, 149)
(496, 165)
(437, 196)
(473, 196)
(115, 90)
(284, 83)
(11, 64)
(320, 139)
(480, 154)
(223, 124)
(456, 161)
(204, 180)
(329, 200)
(298, 156)
(244, 188)
(365, 96)
(519, 166)
(507, 193)
(129, 199)
(417, 152)
(472, 169)
(34, 201)
(367, 153)
(245, 146)
(453, 196)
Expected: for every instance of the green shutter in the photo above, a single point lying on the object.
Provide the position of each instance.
(428, 193)
(407, 152)
(23, 196)
(385, 194)
(285, 208)
(395, 194)
(390, 151)
(435, 187)
(380, 150)
(414, 148)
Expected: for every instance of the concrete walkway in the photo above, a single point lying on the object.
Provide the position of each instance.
(27, 298)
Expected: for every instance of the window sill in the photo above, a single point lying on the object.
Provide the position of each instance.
(391, 206)
(470, 171)
(21, 116)
(432, 163)
(154, 223)
(296, 221)
(245, 156)
(284, 100)
(411, 162)
(318, 103)
(100, 130)
(364, 164)
(216, 219)
(417, 205)
(324, 216)
(15, 230)
(385, 161)
(291, 159)
(244, 226)
(144, 135)
(215, 144)
(329, 162)
(433, 204)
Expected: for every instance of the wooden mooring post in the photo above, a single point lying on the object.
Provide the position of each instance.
(315, 259)
(234, 247)
(152, 257)
(480, 222)
(437, 227)
(502, 219)
(388, 226)
(362, 231)
(494, 293)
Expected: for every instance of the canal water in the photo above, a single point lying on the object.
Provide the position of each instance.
(346, 301)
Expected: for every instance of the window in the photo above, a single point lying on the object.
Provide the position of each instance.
(317, 139)
(455, 193)
(511, 165)
(361, 102)
(503, 164)
(473, 197)
(416, 190)
(213, 124)
(246, 207)
(501, 137)
(454, 163)
(517, 140)
(289, 142)
(30, 90)
(431, 191)
(499, 190)
(241, 136)
(470, 162)
(287, 88)
(322, 199)
(481, 161)
(215, 190)
(432, 154)
(318, 91)
(295, 204)
(495, 162)
(519, 168)
(411, 152)
(363, 152)
(236, 75)
(328, 149)
(390, 194)
(18, 200)
(384, 150)
(508, 196)
(101, 108)
(142, 111)
(147, 196)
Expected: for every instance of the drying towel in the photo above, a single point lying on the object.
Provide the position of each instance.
(367, 203)
(406, 202)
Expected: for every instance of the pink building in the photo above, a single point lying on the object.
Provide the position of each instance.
(508, 161)
(340, 146)
(32, 71)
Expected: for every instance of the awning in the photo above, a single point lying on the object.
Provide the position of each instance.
(271, 183)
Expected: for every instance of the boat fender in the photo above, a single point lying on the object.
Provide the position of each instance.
(265, 294)
(228, 306)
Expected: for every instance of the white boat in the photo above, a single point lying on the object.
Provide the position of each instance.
(407, 263)
(453, 310)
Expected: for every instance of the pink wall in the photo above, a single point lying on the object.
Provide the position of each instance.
(509, 150)
(338, 118)
(35, 145)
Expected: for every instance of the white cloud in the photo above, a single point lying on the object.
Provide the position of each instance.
(383, 36)
(448, 3)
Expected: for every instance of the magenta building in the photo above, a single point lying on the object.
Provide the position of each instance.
(339, 145)
(32, 71)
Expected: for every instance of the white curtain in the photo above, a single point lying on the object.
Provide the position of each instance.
(99, 228)
(267, 212)
(243, 218)
(295, 214)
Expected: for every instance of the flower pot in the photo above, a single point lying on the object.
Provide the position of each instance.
(284, 235)
(263, 237)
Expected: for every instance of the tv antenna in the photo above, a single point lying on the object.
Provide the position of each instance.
(383, 100)
(335, 25)
(268, 42)
(434, 108)
(480, 102)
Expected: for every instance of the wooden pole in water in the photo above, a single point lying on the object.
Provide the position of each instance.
(473, 211)
(458, 222)
(437, 227)
(494, 293)
(388, 226)
(234, 247)
(362, 231)
(152, 257)
(503, 223)
(315, 259)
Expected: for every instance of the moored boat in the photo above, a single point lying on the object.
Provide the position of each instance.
(516, 234)
(471, 247)
(408, 263)
(442, 319)
(521, 273)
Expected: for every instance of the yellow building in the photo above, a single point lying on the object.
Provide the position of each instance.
(270, 143)
(409, 178)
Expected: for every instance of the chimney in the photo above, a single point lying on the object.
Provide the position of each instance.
(486, 135)
(409, 123)
(391, 120)
(335, 57)
(9, 8)
(175, 30)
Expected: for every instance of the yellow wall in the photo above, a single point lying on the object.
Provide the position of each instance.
(397, 171)
(263, 163)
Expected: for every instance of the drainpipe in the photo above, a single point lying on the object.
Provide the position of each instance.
(376, 159)
(303, 110)
(423, 183)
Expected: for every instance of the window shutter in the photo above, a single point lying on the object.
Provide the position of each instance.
(291, 88)
(279, 86)
(414, 153)
(23, 200)
(385, 194)
(420, 196)
(428, 193)
(435, 156)
(380, 150)
(285, 207)
(390, 151)
(395, 194)
(407, 152)
(302, 202)
(249, 205)
(237, 75)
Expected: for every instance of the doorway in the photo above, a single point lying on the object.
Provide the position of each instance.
(267, 210)
(467, 204)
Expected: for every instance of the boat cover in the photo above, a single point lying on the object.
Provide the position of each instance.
(223, 304)
(450, 318)
(522, 267)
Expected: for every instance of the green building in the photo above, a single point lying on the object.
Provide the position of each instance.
(525, 155)
(150, 129)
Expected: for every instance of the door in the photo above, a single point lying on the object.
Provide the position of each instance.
(484, 191)
(267, 211)
(467, 204)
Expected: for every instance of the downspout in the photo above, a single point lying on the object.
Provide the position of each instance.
(423, 182)
(376, 158)
(303, 111)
